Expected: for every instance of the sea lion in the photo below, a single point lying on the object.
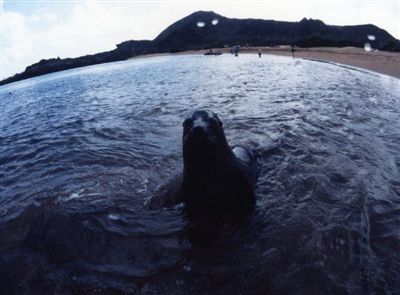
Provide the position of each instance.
(217, 181)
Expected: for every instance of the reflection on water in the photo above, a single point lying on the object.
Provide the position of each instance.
(81, 150)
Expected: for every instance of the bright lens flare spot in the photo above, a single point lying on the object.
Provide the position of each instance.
(215, 22)
(200, 24)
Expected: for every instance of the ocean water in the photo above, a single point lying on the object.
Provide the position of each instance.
(82, 150)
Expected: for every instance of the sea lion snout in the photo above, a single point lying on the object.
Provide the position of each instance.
(196, 125)
(202, 129)
(203, 138)
(201, 120)
(199, 131)
(198, 121)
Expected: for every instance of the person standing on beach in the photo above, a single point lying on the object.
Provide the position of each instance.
(292, 50)
(259, 52)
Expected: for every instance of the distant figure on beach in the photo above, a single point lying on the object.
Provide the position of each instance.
(259, 52)
(292, 50)
(235, 50)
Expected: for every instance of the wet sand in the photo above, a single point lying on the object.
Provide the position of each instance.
(383, 62)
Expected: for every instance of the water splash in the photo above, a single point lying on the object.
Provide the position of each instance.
(350, 134)
(381, 127)
(75, 195)
(349, 110)
(179, 206)
(200, 24)
(367, 47)
(215, 22)
(114, 216)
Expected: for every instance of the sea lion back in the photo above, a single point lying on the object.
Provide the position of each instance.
(248, 160)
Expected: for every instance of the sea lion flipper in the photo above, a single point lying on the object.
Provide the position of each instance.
(167, 194)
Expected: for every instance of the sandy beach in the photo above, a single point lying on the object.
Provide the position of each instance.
(383, 62)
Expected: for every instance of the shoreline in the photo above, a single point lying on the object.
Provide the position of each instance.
(382, 62)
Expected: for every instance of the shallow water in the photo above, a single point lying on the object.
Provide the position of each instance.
(81, 151)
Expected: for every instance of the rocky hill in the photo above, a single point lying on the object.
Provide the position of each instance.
(219, 31)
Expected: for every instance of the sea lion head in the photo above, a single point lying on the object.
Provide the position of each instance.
(204, 138)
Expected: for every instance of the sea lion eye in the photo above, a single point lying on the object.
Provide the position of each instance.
(214, 124)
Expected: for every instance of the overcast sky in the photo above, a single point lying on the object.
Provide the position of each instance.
(34, 30)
